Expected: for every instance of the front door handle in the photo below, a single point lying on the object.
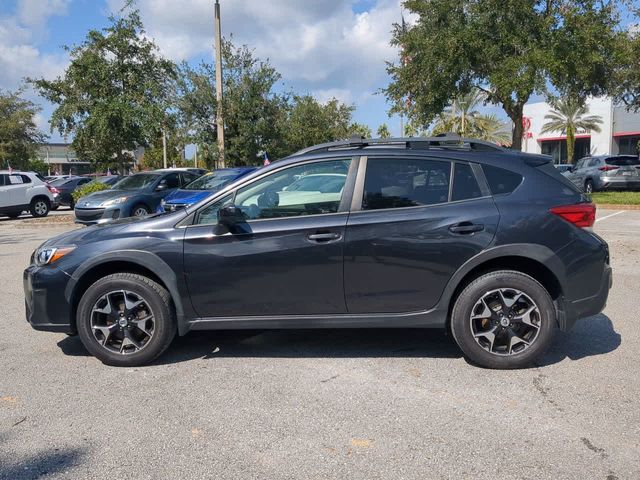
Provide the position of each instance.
(324, 237)
(466, 228)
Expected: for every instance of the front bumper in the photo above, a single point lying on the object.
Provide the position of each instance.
(573, 311)
(46, 307)
(94, 216)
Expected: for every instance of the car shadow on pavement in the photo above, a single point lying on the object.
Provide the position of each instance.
(45, 463)
(593, 336)
(310, 343)
(589, 337)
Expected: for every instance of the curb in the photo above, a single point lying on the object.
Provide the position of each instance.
(613, 206)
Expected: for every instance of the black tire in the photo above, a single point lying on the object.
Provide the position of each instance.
(469, 298)
(588, 186)
(39, 207)
(140, 208)
(161, 308)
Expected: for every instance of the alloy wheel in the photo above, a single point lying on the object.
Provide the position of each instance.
(40, 207)
(140, 212)
(505, 321)
(122, 322)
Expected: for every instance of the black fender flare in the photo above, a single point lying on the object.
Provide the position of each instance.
(529, 251)
(144, 259)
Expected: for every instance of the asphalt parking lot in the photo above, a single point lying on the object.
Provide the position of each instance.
(392, 404)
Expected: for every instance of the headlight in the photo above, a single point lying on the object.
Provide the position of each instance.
(113, 201)
(48, 255)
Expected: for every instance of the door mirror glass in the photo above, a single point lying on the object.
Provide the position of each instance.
(161, 186)
(230, 216)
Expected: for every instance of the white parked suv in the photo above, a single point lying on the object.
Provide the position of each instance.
(20, 191)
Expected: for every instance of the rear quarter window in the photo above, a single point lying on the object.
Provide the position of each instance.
(501, 181)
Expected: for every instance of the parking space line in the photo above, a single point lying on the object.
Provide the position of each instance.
(610, 215)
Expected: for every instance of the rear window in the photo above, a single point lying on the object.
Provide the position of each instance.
(465, 185)
(501, 181)
(623, 161)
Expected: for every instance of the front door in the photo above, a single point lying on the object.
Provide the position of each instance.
(413, 232)
(286, 259)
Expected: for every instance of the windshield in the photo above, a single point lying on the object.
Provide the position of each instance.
(212, 181)
(136, 182)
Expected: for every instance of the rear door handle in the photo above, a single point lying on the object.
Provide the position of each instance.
(324, 237)
(466, 228)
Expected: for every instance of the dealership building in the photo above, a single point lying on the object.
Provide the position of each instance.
(619, 131)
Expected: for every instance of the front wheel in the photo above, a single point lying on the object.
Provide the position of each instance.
(139, 211)
(126, 320)
(503, 320)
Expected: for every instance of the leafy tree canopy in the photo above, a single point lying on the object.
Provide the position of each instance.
(510, 49)
(114, 94)
(19, 134)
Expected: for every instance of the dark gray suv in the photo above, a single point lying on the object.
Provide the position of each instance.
(606, 172)
(493, 245)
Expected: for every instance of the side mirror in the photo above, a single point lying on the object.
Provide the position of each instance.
(161, 186)
(230, 216)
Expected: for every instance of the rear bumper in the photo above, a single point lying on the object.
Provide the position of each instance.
(46, 308)
(571, 312)
(619, 183)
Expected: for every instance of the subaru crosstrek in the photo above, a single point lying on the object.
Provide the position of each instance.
(494, 245)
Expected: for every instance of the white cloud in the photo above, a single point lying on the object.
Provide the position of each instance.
(35, 13)
(318, 46)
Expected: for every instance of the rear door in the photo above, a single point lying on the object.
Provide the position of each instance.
(414, 222)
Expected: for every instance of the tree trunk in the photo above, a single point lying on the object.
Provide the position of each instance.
(518, 129)
(571, 144)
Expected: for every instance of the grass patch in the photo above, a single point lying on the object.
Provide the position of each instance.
(616, 198)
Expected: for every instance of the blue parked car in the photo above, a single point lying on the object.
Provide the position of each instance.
(202, 188)
(134, 196)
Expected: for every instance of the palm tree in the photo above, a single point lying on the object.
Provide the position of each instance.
(569, 115)
(462, 117)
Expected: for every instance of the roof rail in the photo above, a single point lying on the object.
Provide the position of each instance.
(444, 141)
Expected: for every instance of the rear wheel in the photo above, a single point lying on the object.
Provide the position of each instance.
(39, 207)
(588, 186)
(503, 319)
(126, 320)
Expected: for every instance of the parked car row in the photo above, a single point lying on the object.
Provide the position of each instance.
(604, 172)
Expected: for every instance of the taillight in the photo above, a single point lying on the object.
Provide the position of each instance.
(53, 189)
(608, 168)
(582, 215)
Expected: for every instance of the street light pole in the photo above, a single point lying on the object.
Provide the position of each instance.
(219, 114)
(164, 148)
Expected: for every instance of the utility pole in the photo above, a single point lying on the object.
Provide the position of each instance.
(219, 115)
(195, 157)
(164, 148)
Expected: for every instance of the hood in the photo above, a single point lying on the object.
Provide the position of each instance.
(94, 199)
(188, 197)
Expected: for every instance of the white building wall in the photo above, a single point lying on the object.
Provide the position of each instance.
(601, 143)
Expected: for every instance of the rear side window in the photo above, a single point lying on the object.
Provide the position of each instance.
(465, 185)
(396, 183)
(623, 161)
(3, 180)
(501, 181)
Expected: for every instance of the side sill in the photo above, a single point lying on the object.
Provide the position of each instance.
(428, 319)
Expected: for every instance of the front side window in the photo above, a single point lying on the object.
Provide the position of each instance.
(395, 183)
(209, 214)
(309, 189)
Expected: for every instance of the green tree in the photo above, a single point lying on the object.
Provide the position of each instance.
(115, 93)
(464, 118)
(19, 134)
(510, 49)
(567, 117)
(383, 131)
(360, 130)
(252, 109)
(308, 122)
